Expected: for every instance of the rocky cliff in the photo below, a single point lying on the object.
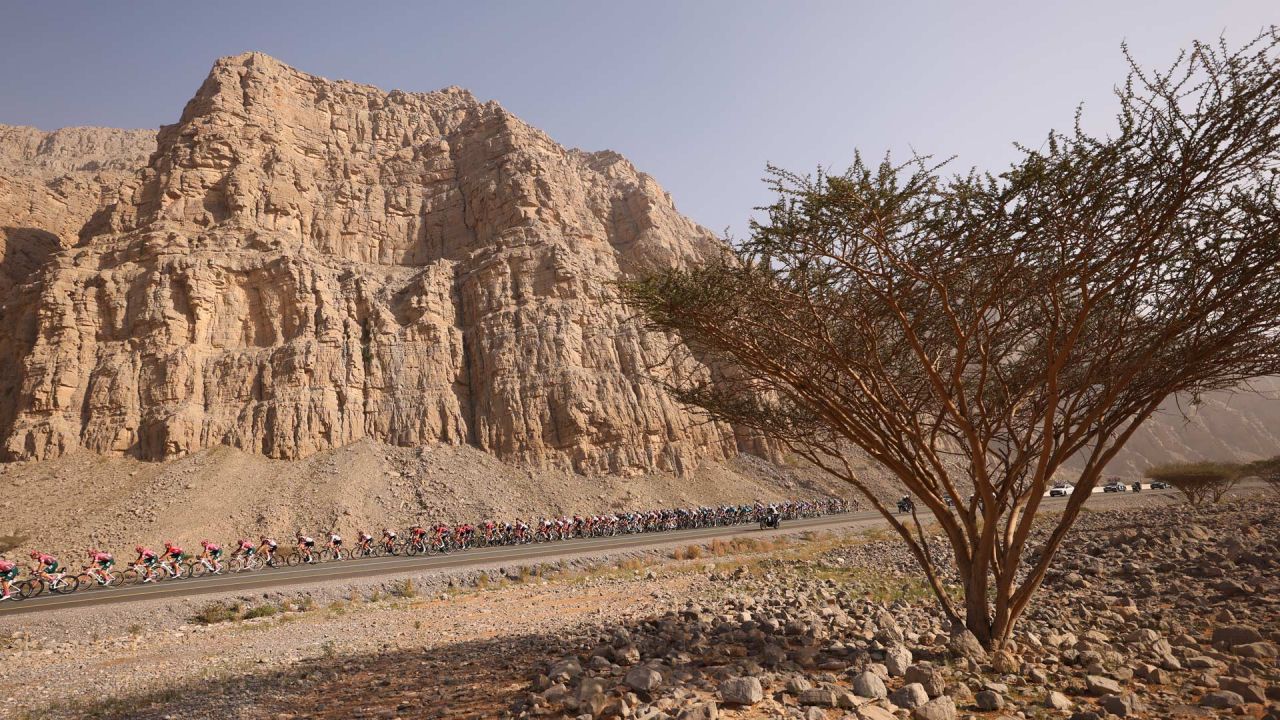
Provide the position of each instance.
(305, 263)
(299, 264)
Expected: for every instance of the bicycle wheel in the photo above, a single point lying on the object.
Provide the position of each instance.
(196, 569)
(64, 585)
(27, 589)
(292, 559)
(129, 576)
(344, 554)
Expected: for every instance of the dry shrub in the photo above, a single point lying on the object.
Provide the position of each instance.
(218, 613)
(1200, 482)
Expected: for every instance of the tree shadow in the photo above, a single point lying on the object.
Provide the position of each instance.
(473, 679)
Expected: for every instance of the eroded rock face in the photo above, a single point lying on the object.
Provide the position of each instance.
(305, 263)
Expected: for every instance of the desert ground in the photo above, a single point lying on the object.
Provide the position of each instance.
(1153, 610)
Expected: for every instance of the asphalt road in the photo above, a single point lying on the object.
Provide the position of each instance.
(374, 567)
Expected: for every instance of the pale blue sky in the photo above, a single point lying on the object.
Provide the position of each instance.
(701, 94)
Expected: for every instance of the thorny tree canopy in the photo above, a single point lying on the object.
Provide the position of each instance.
(977, 331)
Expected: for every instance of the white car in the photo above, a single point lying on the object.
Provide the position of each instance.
(1060, 490)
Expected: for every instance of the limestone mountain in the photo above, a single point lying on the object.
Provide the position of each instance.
(304, 263)
(299, 264)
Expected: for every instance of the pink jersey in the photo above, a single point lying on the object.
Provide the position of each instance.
(47, 559)
(101, 557)
(6, 566)
(212, 548)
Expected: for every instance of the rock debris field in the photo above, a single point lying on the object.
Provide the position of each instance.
(1159, 611)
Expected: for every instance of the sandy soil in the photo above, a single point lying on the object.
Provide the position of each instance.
(65, 505)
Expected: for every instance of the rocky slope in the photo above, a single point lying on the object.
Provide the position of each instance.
(306, 263)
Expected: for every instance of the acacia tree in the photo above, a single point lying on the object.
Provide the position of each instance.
(1199, 483)
(1267, 471)
(976, 332)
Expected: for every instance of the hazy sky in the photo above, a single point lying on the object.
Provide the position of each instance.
(699, 93)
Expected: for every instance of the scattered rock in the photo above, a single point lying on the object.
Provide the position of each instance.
(869, 685)
(989, 700)
(939, 708)
(910, 696)
(741, 691)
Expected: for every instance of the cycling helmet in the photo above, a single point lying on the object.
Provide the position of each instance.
(168, 545)
(205, 543)
(136, 549)
(35, 554)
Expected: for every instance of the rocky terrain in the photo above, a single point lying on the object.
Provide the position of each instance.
(1156, 611)
(306, 263)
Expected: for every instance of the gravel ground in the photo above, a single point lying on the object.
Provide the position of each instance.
(1152, 612)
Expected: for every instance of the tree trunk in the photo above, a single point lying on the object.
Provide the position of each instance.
(977, 612)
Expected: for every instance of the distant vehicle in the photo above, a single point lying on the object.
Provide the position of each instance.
(905, 505)
(1159, 485)
(1113, 486)
(1137, 486)
(1060, 490)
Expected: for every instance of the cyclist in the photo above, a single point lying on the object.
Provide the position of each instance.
(8, 573)
(268, 546)
(389, 539)
(334, 544)
(46, 565)
(306, 544)
(104, 562)
(362, 542)
(418, 533)
(212, 554)
(244, 549)
(439, 535)
(148, 559)
(174, 555)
